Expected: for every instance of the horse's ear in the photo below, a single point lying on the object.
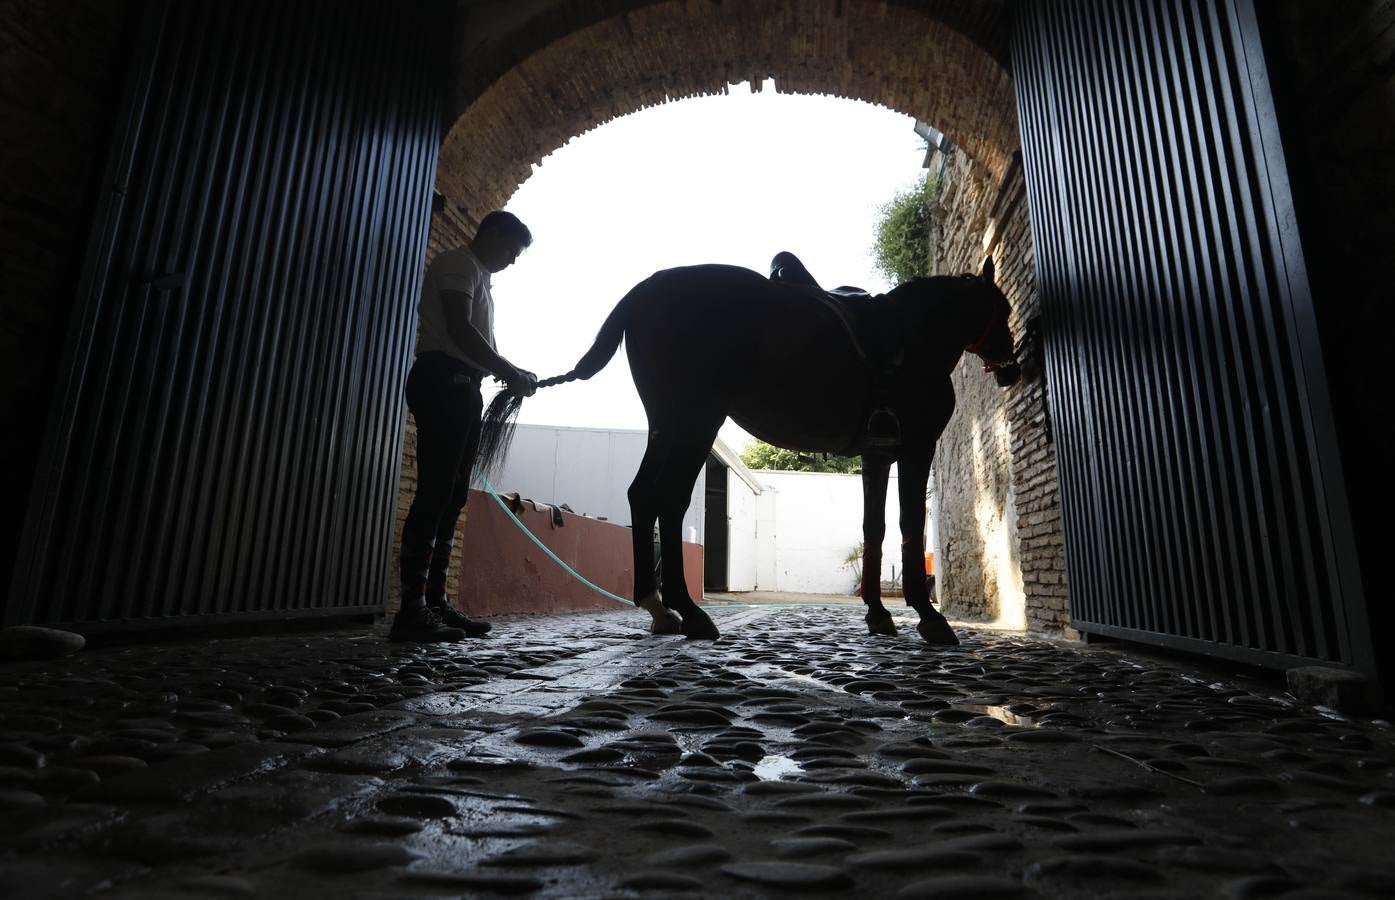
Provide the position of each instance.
(987, 274)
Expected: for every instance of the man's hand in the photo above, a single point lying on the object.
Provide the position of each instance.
(520, 382)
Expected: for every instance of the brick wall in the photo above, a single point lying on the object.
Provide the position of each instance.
(1001, 548)
(61, 70)
(908, 59)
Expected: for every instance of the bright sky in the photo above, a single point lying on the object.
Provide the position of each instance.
(727, 179)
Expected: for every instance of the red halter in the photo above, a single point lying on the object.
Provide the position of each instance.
(976, 348)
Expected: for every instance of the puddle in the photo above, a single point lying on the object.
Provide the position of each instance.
(1002, 714)
(773, 768)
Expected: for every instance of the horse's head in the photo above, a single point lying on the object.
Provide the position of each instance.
(993, 343)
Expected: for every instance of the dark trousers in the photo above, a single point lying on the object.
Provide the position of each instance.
(443, 394)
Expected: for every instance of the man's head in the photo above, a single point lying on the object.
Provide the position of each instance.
(501, 237)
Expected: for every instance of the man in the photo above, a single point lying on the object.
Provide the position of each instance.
(455, 350)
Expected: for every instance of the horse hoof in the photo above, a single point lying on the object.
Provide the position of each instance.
(936, 631)
(666, 621)
(881, 624)
(697, 625)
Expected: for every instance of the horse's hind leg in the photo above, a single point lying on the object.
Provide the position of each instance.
(875, 472)
(680, 475)
(644, 510)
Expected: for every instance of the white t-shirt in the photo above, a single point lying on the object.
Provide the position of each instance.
(454, 270)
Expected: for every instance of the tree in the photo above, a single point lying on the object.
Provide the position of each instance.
(760, 455)
(901, 250)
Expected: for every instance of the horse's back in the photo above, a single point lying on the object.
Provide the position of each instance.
(723, 339)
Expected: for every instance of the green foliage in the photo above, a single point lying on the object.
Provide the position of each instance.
(854, 561)
(760, 455)
(902, 247)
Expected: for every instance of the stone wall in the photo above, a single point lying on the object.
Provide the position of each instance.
(61, 71)
(1001, 554)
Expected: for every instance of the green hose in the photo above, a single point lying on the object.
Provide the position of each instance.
(602, 591)
(543, 547)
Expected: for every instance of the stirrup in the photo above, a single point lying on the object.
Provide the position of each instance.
(883, 429)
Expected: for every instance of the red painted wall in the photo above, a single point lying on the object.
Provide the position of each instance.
(504, 572)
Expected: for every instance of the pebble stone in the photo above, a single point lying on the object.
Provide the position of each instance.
(916, 858)
(474, 881)
(807, 876)
(355, 857)
(662, 881)
(961, 887)
(549, 738)
(675, 827)
(692, 855)
(1087, 866)
(33, 642)
(558, 853)
(794, 848)
(385, 825)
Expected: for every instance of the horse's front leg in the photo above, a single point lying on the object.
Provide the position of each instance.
(875, 469)
(914, 475)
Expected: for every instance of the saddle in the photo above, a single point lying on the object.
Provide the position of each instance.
(870, 326)
(872, 329)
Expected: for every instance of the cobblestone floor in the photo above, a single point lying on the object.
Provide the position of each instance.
(576, 756)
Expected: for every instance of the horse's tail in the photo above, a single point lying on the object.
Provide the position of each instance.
(606, 343)
(496, 429)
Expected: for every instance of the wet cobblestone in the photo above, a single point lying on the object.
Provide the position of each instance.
(577, 756)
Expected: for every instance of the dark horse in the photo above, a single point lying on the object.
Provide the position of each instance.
(708, 342)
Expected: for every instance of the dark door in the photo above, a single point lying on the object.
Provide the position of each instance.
(1202, 500)
(226, 438)
(714, 550)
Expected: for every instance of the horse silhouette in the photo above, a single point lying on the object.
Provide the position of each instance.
(798, 369)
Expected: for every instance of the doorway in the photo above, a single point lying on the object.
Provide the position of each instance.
(715, 546)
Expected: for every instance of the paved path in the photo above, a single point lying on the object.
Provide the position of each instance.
(576, 756)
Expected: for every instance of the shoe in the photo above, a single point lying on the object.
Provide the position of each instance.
(422, 625)
(454, 618)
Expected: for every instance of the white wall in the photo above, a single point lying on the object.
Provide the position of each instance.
(765, 541)
(817, 522)
(793, 537)
(589, 469)
(741, 534)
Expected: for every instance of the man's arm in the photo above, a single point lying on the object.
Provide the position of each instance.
(474, 345)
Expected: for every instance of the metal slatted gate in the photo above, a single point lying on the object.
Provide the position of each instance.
(226, 443)
(1202, 500)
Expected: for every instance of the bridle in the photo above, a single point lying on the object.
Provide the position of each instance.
(977, 347)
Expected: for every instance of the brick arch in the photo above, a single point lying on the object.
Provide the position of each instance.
(933, 61)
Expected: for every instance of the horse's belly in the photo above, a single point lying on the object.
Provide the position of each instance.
(801, 421)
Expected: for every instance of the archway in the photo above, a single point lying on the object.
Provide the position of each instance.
(906, 59)
(929, 61)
